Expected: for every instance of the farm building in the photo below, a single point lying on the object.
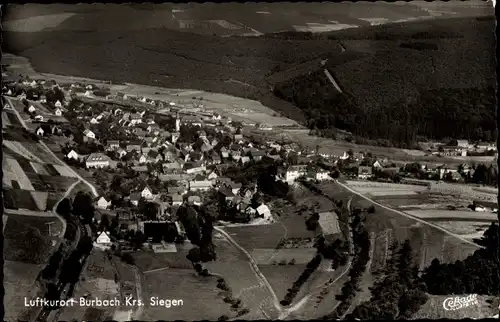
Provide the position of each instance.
(329, 224)
(72, 155)
(365, 172)
(102, 203)
(103, 239)
(97, 160)
(264, 211)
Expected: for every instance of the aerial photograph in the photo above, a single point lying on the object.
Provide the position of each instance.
(250, 161)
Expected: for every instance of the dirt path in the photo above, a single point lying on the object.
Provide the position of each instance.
(255, 268)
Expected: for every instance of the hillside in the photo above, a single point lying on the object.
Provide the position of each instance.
(379, 68)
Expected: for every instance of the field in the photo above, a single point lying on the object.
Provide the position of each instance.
(382, 189)
(236, 270)
(16, 173)
(148, 261)
(198, 294)
(27, 239)
(252, 237)
(453, 215)
(14, 300)
(276, 256)
(21, 274)
(282, 278)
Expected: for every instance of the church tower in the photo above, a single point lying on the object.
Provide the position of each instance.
(177, 123)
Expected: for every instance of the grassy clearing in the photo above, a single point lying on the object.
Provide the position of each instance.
(251, 237)
(451, 215)
(21, 274)
(282, 278)
(14, 301)
(462, 227)
(199, 296)
(272, 256)
(147, 260)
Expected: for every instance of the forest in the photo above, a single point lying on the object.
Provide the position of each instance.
(467, 113)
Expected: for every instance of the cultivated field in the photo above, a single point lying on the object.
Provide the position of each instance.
(463, 227)
(147, 260)
(199, 296)
(453, 215)
(252, 237)
(277, 256)
(282, 278)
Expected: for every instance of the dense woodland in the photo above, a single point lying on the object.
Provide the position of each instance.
(434, 114)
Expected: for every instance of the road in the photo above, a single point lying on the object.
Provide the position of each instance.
(255, 268)
(408, 215)
(138, 287)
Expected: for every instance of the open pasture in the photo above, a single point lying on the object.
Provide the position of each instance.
(463, 215)
(199, 295)
(277, 256)
(22, 274)
(27, 240)
(14, 301)
(21, 149)
(463, 227)
(19, 174)
(51, 183)
(281, 278)
(19, 199)
(147, 261)
(251, 237)
(39, 168)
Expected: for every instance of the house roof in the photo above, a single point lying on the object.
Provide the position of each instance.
(97, 157)
(263, 209)
(226, 192)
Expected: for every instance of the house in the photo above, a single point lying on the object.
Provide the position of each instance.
(88, 133)
(202, 185)
(224, 153)
(329, 223)
(39, 118)
(176, 199)
(40, 131)
(225, 194)
(31, 109)
(102, 203)
(321, 175)
(134, 198)
(72, 155)
(97, 160)
(377, 165)
(294, 172)
(58, 112)
(212, 176)
(257, 155)
(146, 193)
(195, 200)
(103, 239)
(194, 167)
(365, 172)
(58, 104)
(133, 147)
(244, 160)
(121, 153)
(113, 144)
(264, 212)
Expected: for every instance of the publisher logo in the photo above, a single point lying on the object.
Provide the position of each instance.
(456, 303)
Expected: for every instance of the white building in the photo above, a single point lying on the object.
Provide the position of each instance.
(58, 112)
(97, 160)
(39, 118)
(146, 193)
(31, 109)
(322, 175)
(294, 172)
(40, 131)
(102, 203)
(103, 239)
(88, 133)
(264, 211)
(58, 104)
(202, 185)
(72, 155)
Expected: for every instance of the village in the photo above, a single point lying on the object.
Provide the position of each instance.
(148, 157)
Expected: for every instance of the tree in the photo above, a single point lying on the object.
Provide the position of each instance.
(127, 258)
(104, 225)
(82, 206)
(64, 208)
